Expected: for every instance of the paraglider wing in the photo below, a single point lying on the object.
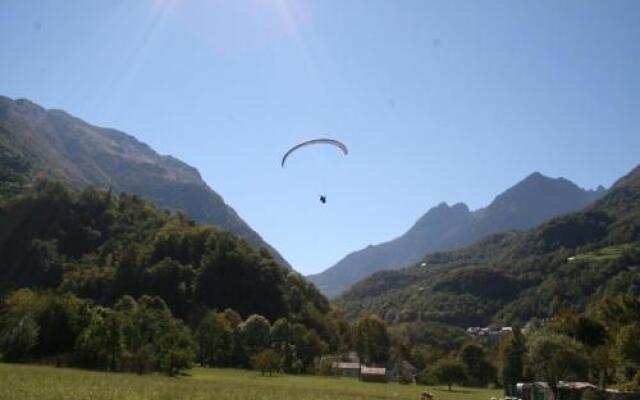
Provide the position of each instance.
(333, 142)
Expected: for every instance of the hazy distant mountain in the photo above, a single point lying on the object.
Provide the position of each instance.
(38, 142)
(527, 204)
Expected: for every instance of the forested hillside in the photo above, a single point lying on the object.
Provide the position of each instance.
(102, 246)
(111, 281)
(35, 142)
(571, 260)
(528, 203)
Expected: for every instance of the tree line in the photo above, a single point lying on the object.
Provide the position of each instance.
(143, 336)
(111, 282)
(600, 345)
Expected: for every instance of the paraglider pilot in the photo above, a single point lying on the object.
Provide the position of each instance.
(323, 199)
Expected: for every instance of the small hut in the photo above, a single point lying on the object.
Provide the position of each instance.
(402, 370)
(346, 369)
(373, 374)
(346, 365)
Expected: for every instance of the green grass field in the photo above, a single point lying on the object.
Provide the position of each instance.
(47, 383)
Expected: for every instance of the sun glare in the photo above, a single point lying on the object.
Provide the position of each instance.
(237, 26)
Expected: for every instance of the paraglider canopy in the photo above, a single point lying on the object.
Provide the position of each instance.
(332, 142)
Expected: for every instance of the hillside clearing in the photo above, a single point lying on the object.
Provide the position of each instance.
(47, 383)
(604, 254)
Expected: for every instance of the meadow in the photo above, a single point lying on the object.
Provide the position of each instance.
(604, 254)
(28, 382)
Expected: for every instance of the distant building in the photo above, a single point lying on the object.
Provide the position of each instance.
(373, 374)
(358, 371)
(346, 369)
(491, 334)
(347, 365)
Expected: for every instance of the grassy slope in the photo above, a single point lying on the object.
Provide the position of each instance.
(45, 383)
(604, 254)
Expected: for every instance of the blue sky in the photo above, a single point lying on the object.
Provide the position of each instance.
(437, 100)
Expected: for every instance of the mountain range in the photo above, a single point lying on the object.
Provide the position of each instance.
(527, 204)
(573, 260)
(36, 142)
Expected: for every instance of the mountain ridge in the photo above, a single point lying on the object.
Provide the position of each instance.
(58, 145)
(572, 260)
(446, 227)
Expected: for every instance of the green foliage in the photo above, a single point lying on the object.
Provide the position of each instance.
(482, 282)
(101, 343)
(267, 360)
(52, 325)
(427, 341)
(627, 345)
(339, 338)
(175, 349)
(449, 371)
(232, 276)
(372, 341)
(512, 352)
(15, 168)
(324, 366)
(133, 336)
(214, 337)
(137, 336)
(233, 318)
(586, 330)
(635, 382)
(59, 319)
(619, 310)
(554, 357)
(18, 338)
(174, 283)
(479, 371)
(102, 247)
(307, 344)
(255, 333)
(282, 342)
(570, 261)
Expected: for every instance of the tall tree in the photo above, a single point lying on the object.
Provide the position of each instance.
(372, 340)
(554, 357)
(255, 334)
(308, 345)
(512, 351)
(267, 360)
(175, 349)
(101, 343)
(627, 349)
(480, 372)
(18, 337)
(214, 336)
(449, 371)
